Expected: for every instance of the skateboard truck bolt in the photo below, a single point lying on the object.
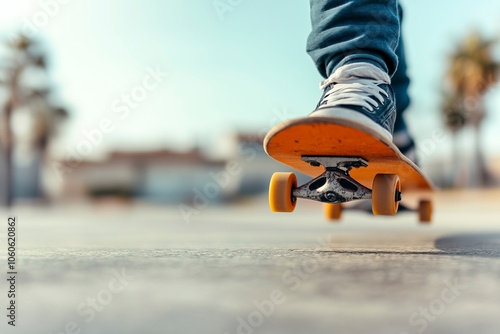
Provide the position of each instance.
(314, 163)
(330, 196)
(399, 196)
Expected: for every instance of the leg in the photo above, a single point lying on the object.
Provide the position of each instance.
(353, 44)
(347, 31)
(400, 82)
(400, 79)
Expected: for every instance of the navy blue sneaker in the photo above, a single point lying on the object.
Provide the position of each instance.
(362, 93)
(404, 141)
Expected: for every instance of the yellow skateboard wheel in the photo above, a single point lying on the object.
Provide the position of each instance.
(333, 211)
(425, 211)
(385, 190)
(280, 192)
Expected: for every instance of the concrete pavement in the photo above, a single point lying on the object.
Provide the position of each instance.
(241, 269)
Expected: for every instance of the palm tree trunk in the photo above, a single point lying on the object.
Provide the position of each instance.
(482, 172)
(9, 138)
(9, 191)
(455, 162)
(40, 155)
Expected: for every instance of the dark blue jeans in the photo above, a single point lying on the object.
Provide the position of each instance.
(347, 31)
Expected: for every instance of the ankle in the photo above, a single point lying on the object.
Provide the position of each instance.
(358, 58)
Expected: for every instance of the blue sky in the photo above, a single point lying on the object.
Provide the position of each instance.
(224, 72)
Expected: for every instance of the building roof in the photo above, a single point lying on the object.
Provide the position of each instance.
(168, 157)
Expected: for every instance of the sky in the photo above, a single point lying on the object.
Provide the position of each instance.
(199, 73)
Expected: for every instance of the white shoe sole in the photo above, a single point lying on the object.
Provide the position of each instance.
(353, 116)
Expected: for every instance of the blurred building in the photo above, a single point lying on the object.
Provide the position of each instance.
(242, 169)
(160, 176)
(173, 177)
(256, 166)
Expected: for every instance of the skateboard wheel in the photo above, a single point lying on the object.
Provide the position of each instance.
(280, 192)
(384, 194)
(333, 211)
(425, 211)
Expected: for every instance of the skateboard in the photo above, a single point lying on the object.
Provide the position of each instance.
(347, 161)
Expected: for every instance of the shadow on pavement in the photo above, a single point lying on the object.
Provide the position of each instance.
(482, 244)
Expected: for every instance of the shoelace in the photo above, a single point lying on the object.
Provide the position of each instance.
(354, 91)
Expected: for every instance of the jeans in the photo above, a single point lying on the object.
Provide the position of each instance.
(347, 31)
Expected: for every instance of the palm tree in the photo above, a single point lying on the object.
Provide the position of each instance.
(25, 55)
(47, 119)
(471, 73)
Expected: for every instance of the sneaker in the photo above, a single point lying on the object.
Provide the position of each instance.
(403, 140)
(359, 92)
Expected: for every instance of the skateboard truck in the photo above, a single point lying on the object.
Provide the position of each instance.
(334, 185)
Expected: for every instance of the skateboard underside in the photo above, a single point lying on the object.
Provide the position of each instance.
(331, 149)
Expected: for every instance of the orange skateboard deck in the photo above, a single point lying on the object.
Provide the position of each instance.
(304, 143)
